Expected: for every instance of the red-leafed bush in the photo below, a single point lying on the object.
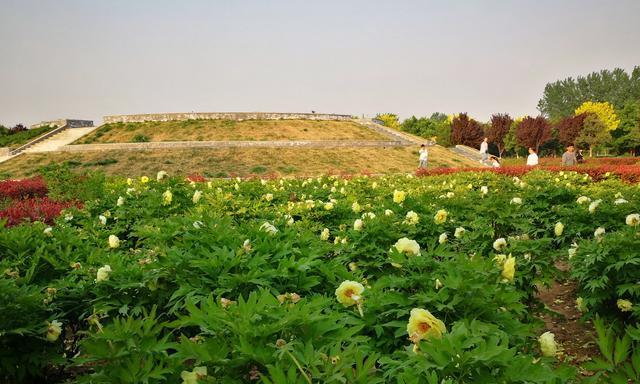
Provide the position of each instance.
(22, 189)
(196, 178)
(35, 209)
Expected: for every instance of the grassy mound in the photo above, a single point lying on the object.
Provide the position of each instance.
(229, 130)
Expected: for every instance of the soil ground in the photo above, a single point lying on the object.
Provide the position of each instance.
(577, 337)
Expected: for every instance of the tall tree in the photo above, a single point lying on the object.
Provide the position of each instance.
(562, 97)
(498, 129)
(533, 132)
(466, 131)
(604, 111)
(627, 136)
(389, 120)
(569, 128)
(593, 134)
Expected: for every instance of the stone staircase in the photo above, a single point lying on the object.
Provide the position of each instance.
(403, 137)
(59, 140)
(468, 152)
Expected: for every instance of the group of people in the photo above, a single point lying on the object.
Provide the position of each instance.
(569, 157)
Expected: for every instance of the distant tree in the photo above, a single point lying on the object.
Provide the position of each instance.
(533, 132)
(561, 98)
(466, 131)
(443, 133)
(438, 116)
(569, 128)
(510, 142)
(17, 128)
(627, 136)
(3, 130)
(498, 130)
(593, 134)
(389, 120)
(604, 111)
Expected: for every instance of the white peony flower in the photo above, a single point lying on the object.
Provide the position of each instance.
(268, 228)
(633, 220)
(369, 215)
(583, 199)
(484, 189)
(324, 235)
(500, 244)
(599, 232)
(167, 197)
(355, 207)
(103, 273)
(358, 224)
(443, 238)
(197, 195)
(516, 201)
(388, 212)
(594, 205)
(102, 219)
(197, 224)
(120, 201)
(48, 231)
(438, 284)
(459, 232)
(328, 206)
(620, 201)
(161, 175)
(54, 330)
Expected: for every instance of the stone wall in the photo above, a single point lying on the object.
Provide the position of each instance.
(222, 116)
(70, 123)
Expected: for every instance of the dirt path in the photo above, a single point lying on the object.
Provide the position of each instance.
(576, 337)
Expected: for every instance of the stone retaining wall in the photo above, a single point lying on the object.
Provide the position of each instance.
(232, 144)
(4, 151)
(223, 116)
(70, 123)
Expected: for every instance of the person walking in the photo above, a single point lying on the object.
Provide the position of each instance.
(532, 159)
(569, 157)
(580, 157)
(424, 156)
(484, 150)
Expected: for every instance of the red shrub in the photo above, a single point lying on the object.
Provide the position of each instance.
(35, 209)
(196, 178)
(21, 189)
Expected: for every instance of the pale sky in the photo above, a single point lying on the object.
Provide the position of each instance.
(87, 59)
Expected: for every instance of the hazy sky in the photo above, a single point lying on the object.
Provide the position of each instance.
(87, 59)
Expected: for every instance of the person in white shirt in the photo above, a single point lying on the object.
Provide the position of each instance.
(532, 159)
(484, 150)
(424, 156)
(495, 162)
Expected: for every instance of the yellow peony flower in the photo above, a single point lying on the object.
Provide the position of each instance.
(580, 305)
(324, 235)
(328, 206)
(167, 197)
(624, 305)
(349, 293)
(548, 344)
(193, 377)
(408, 247)
(268, 196)
(423, 325)
(558, 229)
(54, 330)
(411, 218)
(355, 207)
(509, 268)
(399, 196)
(114, 242)
(440, 217)
(144, 179)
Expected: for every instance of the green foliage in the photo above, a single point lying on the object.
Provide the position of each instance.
(620, 360)
(561, 98)
(8, 139)
(435, 127)
(140, 138)
(627, 136)
(64, 184)
(594, 134)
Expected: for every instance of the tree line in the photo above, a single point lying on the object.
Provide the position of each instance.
(599, 111)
